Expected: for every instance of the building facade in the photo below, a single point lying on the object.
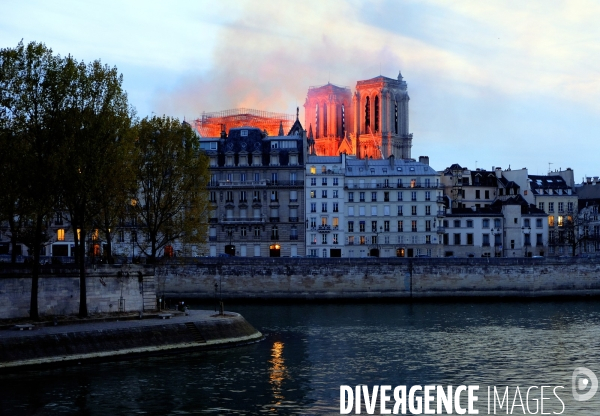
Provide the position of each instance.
(256, 192)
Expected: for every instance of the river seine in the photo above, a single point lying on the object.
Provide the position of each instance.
(310, 350)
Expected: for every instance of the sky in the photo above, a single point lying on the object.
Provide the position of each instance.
(492, 83)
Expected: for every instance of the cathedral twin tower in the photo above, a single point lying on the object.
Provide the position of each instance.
(371, 123)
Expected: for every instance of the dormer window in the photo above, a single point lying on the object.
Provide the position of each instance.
(244, 133)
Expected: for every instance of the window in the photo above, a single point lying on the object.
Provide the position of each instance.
(457, 239)
(350, 211)
(324, 207)
(486, 223)
(313, 170)
(274, 233)
(350, 226)
(538, 223)
(541, 205)
(60, 234)
(399, 209)
(469, 223)
(374, 210)
(570, 206)
(560, 220)
(487, 194)
(477, 194)
(274, 196)
(257, 232)
(413, 210)
(274, 178)
(427, 210)
(313, 207)
(550, 206)
(373, 196)
(400, 226)
(427, 196)
(386, 196)
(470, 239)
(313, 222)
(551, 221)
(413, 196)
(335, 181)
(386, 226)
(351, 240)
(374, 226)
(324, 181)
(335, 207)
(335, 239)
(399, 195)
(362, 226)
(243, 197)
(324, 193)
(539, 240)
(121, 236)
(428, 241)
(526, 222)
(244, 133)
(313, 181)
(335, 193)
(361, 211)
(256, 196)
(561, 207)
(386, 210)
(497, 223)
(362, 240)
(428, 225)
(414, 226)
(350, 196)
(324, 239)
(456, 223)
(486, 240)
(243, 232)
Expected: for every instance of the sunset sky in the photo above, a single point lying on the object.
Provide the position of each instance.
(492, 83)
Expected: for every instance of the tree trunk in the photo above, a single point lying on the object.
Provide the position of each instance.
(35, 270)
(83, 312)
(13, 240)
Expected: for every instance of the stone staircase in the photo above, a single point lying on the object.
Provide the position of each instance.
(149, 294)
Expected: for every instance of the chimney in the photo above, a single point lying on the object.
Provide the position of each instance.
(392, 158)
(498, 172)
(424, 160)
(223, 133)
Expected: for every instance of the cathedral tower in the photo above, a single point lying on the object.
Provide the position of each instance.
(328, 112)
(380, 109)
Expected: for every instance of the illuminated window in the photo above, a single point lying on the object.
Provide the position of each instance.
(60, 234)
(560, 221)
(313, 170)
(551, 221)
(413, 183)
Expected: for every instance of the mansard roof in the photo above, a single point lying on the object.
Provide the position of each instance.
(380, 167)
(541, 182)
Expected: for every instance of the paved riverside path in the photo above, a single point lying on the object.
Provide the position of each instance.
(104, 340)
(148, 320)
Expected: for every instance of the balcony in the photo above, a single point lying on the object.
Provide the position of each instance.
(239, 184)
(293, 219)
(324, 228)
(441, 230)
(299, 183)
(240, 220)
(441, 214)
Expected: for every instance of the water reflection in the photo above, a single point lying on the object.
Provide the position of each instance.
(277, 371)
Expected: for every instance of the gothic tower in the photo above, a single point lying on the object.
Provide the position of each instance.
(380, 114)
(327, 111)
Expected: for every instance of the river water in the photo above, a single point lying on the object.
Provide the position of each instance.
(310, 350)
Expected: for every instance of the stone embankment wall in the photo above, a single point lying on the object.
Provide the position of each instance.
(378, 278)
(59, 289)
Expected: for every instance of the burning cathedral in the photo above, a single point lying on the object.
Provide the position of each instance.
(372, 122)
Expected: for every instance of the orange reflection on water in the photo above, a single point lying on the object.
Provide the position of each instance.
(277, 371)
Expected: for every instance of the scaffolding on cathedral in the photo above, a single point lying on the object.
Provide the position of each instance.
(209, 124)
